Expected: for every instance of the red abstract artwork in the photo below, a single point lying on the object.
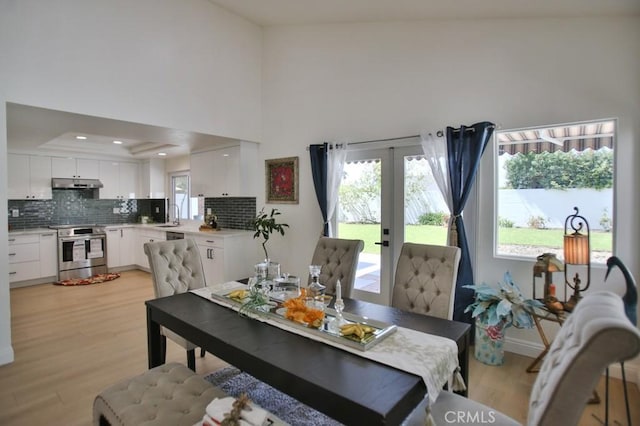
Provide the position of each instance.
(282, 180)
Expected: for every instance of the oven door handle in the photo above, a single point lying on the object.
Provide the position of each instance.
(81, 237)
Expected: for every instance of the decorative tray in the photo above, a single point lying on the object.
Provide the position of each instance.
(275, 312)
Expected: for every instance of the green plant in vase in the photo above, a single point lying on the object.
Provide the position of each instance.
(266, 224)
(495, 309)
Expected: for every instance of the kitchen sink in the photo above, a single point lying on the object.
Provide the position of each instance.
(168, 225)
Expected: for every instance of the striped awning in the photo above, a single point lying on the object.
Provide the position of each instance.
(594, 135)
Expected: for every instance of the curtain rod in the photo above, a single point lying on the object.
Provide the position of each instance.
(439, 134)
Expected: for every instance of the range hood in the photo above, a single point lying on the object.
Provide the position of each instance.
(68, 183)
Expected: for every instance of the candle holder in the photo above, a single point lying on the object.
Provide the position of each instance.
(338, 306)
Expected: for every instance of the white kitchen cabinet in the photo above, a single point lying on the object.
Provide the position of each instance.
(224, 258)
(48, 254)
(33, 257)
(152, 178)
(231, 171)
(24, 257)
(145, 235)
(212, 256)
(65, 167)
(29, 177)
(120, 246)
(120, 180)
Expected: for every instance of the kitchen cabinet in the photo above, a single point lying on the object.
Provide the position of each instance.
(212, 255)
(24, 257)
(48, 254)
(65, 167)
(143, 236)
(152, 178)
(29, 177)
(33, 256)
(120, 246)
(231, 171)
(224, 258)
(120, 180)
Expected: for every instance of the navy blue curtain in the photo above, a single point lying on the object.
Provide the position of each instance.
(318, 154)
(464, 150)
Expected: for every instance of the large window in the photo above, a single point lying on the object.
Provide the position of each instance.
(542, 174)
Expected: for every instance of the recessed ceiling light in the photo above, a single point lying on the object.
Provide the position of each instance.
(162, 154)
(118, 142)
(81, 137)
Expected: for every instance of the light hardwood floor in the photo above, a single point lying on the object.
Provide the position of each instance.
(72, 342)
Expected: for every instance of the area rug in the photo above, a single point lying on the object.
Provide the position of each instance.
(234, 382)
(99, 278)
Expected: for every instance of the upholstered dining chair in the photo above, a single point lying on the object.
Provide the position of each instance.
(594, 336)
(176, 267)
(425, 279)
(339, 260)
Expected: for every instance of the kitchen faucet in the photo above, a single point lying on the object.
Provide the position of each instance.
(176, 221)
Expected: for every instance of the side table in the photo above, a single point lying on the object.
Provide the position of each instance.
(539, 314)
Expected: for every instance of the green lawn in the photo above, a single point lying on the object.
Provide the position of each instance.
(425, 234)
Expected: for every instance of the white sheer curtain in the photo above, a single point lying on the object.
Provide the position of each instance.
(336, 157)
(435, 151)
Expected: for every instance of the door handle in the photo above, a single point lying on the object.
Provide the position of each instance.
(382, 243)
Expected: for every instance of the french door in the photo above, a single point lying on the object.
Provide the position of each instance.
(385, 196)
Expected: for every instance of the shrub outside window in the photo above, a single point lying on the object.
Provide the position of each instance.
(542, 173)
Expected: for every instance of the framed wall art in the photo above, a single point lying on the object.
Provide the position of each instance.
(282, 180)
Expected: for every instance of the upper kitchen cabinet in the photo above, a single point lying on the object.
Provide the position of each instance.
(152, 174)
(64, 167)
(226, 172)
(29, 177)
(120, 180)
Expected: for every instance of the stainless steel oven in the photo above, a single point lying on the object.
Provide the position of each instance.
(82, 251)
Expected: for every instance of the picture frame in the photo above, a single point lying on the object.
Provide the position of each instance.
(281, 176)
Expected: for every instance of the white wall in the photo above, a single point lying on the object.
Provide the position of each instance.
(187, 65)
(369, 81)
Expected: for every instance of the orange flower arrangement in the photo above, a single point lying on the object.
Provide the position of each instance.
(297, 310)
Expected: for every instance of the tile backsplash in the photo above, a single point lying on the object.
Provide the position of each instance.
(232, 212)
(81, 206)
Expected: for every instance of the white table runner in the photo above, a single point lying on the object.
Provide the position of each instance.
(434, 358)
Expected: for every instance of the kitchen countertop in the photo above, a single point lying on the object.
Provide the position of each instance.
(191, 228)
(31, 231)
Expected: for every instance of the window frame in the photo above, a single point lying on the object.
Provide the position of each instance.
(496, 187)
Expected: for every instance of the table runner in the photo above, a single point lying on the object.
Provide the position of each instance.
(434, 358)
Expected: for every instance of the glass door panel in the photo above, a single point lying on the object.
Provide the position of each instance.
(365, 213)
(388, 196)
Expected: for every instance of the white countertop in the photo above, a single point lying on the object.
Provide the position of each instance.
(31, 231)
(186, 228)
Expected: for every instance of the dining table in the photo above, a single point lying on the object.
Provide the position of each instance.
(346, 387)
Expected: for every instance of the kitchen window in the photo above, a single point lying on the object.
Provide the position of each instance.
(180, 203)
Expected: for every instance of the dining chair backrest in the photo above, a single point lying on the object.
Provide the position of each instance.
(176, 266)
(425, 279)
(595, 335)
(339, 260)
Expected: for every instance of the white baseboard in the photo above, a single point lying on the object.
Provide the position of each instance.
(532, 350)
(6, 355)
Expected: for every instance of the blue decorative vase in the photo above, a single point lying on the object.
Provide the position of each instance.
(489, 343)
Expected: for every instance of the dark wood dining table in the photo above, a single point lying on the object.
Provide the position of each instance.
(344, 386)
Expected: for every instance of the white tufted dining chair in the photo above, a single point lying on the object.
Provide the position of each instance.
(594, 336)
(425, 279)
(176, 267)
(339, 260)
